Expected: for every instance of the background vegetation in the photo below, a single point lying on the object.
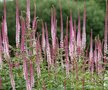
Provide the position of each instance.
(95, 14)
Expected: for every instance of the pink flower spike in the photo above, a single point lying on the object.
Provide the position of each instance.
(31, 74)
(75, 29)
(5, 23)
(61, 23)
(34, 27)
(22, 35)
(43, 37)
(4, 33)
(38, 67)
(28, 13)
(96, 57)
(84, 28)
(38, 58)
(0, 51)
(72, 35)
(48, 51)
(100, 61)
(79, 36)
(67, 27)
(5, 40)
(17, 25)
(66, 56)
(91, 54)
(53, 27)
(106, 33)
(66, 50)
(72, 38)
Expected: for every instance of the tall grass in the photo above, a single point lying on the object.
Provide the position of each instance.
(41, 63)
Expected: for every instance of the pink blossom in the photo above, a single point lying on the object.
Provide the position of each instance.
(72, 38)
(91, 54)
(0, 50)
(84, 29)
(43, 38)
(17, 25)
(100, 55)
(48, 51)
(79, 36)
(66, 50)
(61, 23)
(53, 27)
(31, 74)
(22, 35)
(28, 13)
(75, 29)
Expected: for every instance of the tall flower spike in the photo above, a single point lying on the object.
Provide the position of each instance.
(72, 38)
(75, 45)
(0, 51)
(6, 46)
(40, 48)
(34, 23)
(17, 25)
(106, 32)
(25, 70)
(48, 51)
(43, 37)
(75, 29)
(61, 24)
(53, 32)
(66, 56)
(34, 27)
(31, 74)
(79, 36)
(22, 35)
(95, 56)
(72, 35)
(66, 50)
(91, 54)
(5, 23)
(5, 42)
(53, 27)
(23, 45)
(31, 62)
(67, 27)
(4, 33)
(28, 13)
(38, 59)
(84, 28)
(100, 61)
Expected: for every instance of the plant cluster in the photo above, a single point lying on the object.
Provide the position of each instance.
(42, 63)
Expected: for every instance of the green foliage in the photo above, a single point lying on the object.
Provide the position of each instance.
(55, 79)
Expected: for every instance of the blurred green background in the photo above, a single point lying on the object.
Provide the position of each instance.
(95, 14)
